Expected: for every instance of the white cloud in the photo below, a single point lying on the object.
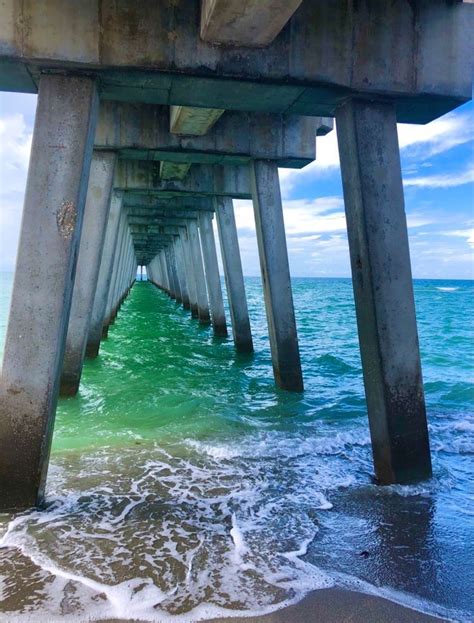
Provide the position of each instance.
(468, 234)
(446, 180)
(327, 160)
(324, 214)
(425, 141)
(15, 145)
(416, 141)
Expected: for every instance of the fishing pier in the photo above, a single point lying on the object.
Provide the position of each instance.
(151, 118)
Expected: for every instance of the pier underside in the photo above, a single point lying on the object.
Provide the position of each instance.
(152, 118)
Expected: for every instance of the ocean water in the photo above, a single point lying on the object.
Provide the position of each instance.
(183, 485)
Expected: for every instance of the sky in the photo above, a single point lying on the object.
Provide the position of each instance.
(438, 176)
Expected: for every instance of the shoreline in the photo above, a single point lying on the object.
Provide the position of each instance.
(327, 605)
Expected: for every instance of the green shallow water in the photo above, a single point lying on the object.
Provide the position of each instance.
(183, 484)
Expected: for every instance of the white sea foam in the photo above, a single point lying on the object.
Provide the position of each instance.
(446, 289)
(402, 598)
(184, 526)
(195, 531)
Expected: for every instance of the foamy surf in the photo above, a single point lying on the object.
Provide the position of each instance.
(176, 498)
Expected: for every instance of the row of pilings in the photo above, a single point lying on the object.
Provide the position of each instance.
(93, 214)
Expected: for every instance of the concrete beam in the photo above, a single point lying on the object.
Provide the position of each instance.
(140, 131)
(246, 23)
(202, 179)
(417, 54)
(137, 218)
(152, 201)
(173, 170)
(187, 120)
(154, 229)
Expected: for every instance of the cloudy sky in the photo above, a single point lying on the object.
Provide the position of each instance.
(438, 174)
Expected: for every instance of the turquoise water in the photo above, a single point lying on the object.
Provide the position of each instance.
(183, 484)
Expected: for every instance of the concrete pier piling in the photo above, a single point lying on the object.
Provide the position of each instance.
(233, 275)
(183, 276)
(111, 299)
(191, 281)
(383, 291)
(90, 252)
(172, 275)
(213, 280)
(198, 271)
(176, 276)
(164, 272)
(52, 220)
(104, 278)
(275, 270)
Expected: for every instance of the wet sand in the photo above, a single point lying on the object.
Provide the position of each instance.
(334, 605)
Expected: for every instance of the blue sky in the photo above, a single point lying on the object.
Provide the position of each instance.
(438, 173)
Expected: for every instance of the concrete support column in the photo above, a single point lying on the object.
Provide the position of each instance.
(176, 276)
(191, 281)
(164, 271)
(270, 228)
(233, 274)
(118, 277)
(39, 313)
(121, 275)
(109, 316)
(181, 271)
(127, 270)
(383, 291)
(157, 276)
(213, 279)
(105, 277)
(171, 274)
(157, 271)
(151, 272)
(96, 213)
(198, 270)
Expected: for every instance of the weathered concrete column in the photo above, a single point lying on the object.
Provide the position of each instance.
(157, 271)
(157, 274)
(109, 315)
(180, 264)
(151, 272)
(270, 228)
(120, 269)
(164, 271)
(233, 274)
(213, 279)
(174, 287)
(198, 271)
(176, 276)
(96, 213)
(44, 278)
(191, 281)
(383, 291)
(105, 277)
